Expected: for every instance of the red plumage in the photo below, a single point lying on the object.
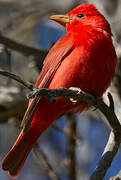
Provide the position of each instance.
(84, 57)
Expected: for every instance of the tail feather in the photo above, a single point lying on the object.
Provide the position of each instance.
(14, 160)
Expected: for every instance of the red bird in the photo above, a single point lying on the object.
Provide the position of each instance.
(85, 58)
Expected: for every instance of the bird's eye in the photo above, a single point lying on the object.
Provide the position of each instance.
(80, 15)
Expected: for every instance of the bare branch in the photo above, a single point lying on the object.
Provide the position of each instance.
(69, 93)
(107, 157)
(76, 94)
(71, 145)
(80, 95)
(26, 50)
(18, 79)
(51, 171)
(111, 101)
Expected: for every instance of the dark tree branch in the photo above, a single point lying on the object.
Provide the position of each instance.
(26, 84)
(26, 50)
(80, 95)
(111, 101)
(71, 155)
(76, 94)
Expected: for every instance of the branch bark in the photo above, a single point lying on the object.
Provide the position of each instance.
(80, 95)
(107, 157)
(29, 85)
(71, 154)
(76, 94)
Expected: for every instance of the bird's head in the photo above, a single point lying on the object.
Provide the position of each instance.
(84, 15)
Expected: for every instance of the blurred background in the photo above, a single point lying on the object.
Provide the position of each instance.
(72, 146)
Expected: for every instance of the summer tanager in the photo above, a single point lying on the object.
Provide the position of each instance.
(85, 58)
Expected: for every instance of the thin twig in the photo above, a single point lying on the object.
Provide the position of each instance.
(17, 78)
(51, 171)
(67, 133)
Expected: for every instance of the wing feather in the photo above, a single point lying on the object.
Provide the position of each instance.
(56, 55)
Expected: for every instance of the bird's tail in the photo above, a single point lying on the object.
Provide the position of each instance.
(14, 160)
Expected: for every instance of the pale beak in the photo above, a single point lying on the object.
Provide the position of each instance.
(61, 19)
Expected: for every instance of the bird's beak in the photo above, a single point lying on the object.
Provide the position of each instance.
(61, 19)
